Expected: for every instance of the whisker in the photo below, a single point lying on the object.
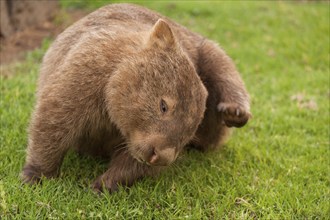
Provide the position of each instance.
(120, 150)
(195, 139)
(121, 146)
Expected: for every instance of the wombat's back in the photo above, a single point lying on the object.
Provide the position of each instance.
(115, 20)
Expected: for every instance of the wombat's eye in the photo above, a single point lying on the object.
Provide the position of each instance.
(163, 106)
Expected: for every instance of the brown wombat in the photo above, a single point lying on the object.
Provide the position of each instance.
(129, 84)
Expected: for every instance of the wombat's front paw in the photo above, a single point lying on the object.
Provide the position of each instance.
(102, 183)
(30, 174)
(233, 114)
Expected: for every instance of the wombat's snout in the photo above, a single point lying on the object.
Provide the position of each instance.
(152, 149)
(160, 157)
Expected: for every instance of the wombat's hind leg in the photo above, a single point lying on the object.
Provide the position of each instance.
(228, 103)
(233, 114)
(226, 89)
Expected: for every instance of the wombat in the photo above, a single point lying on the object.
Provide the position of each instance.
(129, 84)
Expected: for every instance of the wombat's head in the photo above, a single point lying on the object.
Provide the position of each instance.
(156, 98)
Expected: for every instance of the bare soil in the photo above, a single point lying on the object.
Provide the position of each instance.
(14, 47)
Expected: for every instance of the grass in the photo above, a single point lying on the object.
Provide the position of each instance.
(277, 167)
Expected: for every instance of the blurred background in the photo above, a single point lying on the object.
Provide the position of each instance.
(25, 23)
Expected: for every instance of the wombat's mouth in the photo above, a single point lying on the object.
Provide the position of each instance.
(140, 160)
(145, 162)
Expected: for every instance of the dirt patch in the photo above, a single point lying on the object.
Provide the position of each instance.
(14, 47)
(303, 102)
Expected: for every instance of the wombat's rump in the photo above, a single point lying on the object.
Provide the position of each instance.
(127, 83)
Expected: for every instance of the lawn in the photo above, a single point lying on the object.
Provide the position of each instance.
(276, 167)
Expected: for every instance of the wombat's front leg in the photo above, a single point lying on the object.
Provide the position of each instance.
(50, 135)
(124, 170)
(228, 101)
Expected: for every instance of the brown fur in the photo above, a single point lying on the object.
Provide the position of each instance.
(102, 89)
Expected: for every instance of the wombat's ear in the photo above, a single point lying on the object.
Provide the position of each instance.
(162, 34)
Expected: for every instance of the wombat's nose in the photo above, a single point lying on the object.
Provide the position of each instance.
(162, 157)
(154, 157)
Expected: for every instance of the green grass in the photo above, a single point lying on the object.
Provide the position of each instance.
(277, 167)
